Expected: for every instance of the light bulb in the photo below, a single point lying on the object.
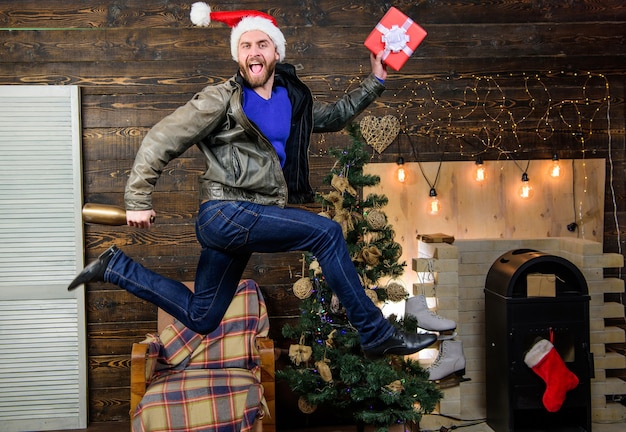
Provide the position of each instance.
(480, 174)
(555, 168)
(526, 190)
(401, 173)
(433, 206)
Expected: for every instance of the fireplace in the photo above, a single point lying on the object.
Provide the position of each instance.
(514, 321)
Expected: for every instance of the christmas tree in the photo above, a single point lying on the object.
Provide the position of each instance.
(328, 366)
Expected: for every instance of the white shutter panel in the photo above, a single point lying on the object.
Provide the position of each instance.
(43, 361)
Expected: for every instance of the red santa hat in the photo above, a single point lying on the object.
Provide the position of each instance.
(241, 21)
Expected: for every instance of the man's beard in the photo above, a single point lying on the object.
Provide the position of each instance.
(255, 81)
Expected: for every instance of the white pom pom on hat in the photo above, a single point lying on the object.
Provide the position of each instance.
(241, 21)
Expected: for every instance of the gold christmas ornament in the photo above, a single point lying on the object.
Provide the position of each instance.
(330, 340)
(343, 218)
(324, 370)
(398, 252)
(379, 132)
(342, 185)
(396, 291)
(303, 288)
(370, 255)
(372, 236)
(395, 387)
(334, 198)
(376, 219)
(417, 406)
(335, 304)
(306, 407)
(316, 268)
(300, 353)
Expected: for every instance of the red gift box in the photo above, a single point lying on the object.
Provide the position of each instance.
(396, 34)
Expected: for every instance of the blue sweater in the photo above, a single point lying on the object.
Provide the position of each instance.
(271, 116)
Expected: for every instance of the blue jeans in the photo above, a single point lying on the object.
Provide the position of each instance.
(229, 232)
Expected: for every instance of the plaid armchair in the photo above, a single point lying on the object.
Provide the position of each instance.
(221, 382)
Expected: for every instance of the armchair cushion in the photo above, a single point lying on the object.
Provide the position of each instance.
(199, 380)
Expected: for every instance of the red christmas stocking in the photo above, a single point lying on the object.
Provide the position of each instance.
(543, 359)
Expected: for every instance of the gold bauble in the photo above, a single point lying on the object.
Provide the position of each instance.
(306, 407)
(303, 288)
(376, 219)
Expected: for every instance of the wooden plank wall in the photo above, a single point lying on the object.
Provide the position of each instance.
(137, 60)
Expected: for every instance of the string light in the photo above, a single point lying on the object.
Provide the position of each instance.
(433, 206)
(500, 120)
(401, 173)
(555, 168)
(500, 117)
(526, 189)
(480, 173)
(487, 119)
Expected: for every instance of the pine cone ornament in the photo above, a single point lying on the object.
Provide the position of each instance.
(396, 292)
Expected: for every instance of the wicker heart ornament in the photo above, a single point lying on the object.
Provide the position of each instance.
(379, 132)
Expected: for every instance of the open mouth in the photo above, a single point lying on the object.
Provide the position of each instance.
(255, 68)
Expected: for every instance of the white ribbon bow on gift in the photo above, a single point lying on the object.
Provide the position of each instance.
(396, 38)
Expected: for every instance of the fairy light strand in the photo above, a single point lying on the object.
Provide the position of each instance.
(486, 121)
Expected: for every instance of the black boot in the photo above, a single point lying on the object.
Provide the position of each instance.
(94, 272)
(401, 343)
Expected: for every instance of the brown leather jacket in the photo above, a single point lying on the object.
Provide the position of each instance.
(241, 164)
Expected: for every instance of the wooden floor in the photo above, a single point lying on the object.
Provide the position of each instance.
(123, 427)
(480, 427)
